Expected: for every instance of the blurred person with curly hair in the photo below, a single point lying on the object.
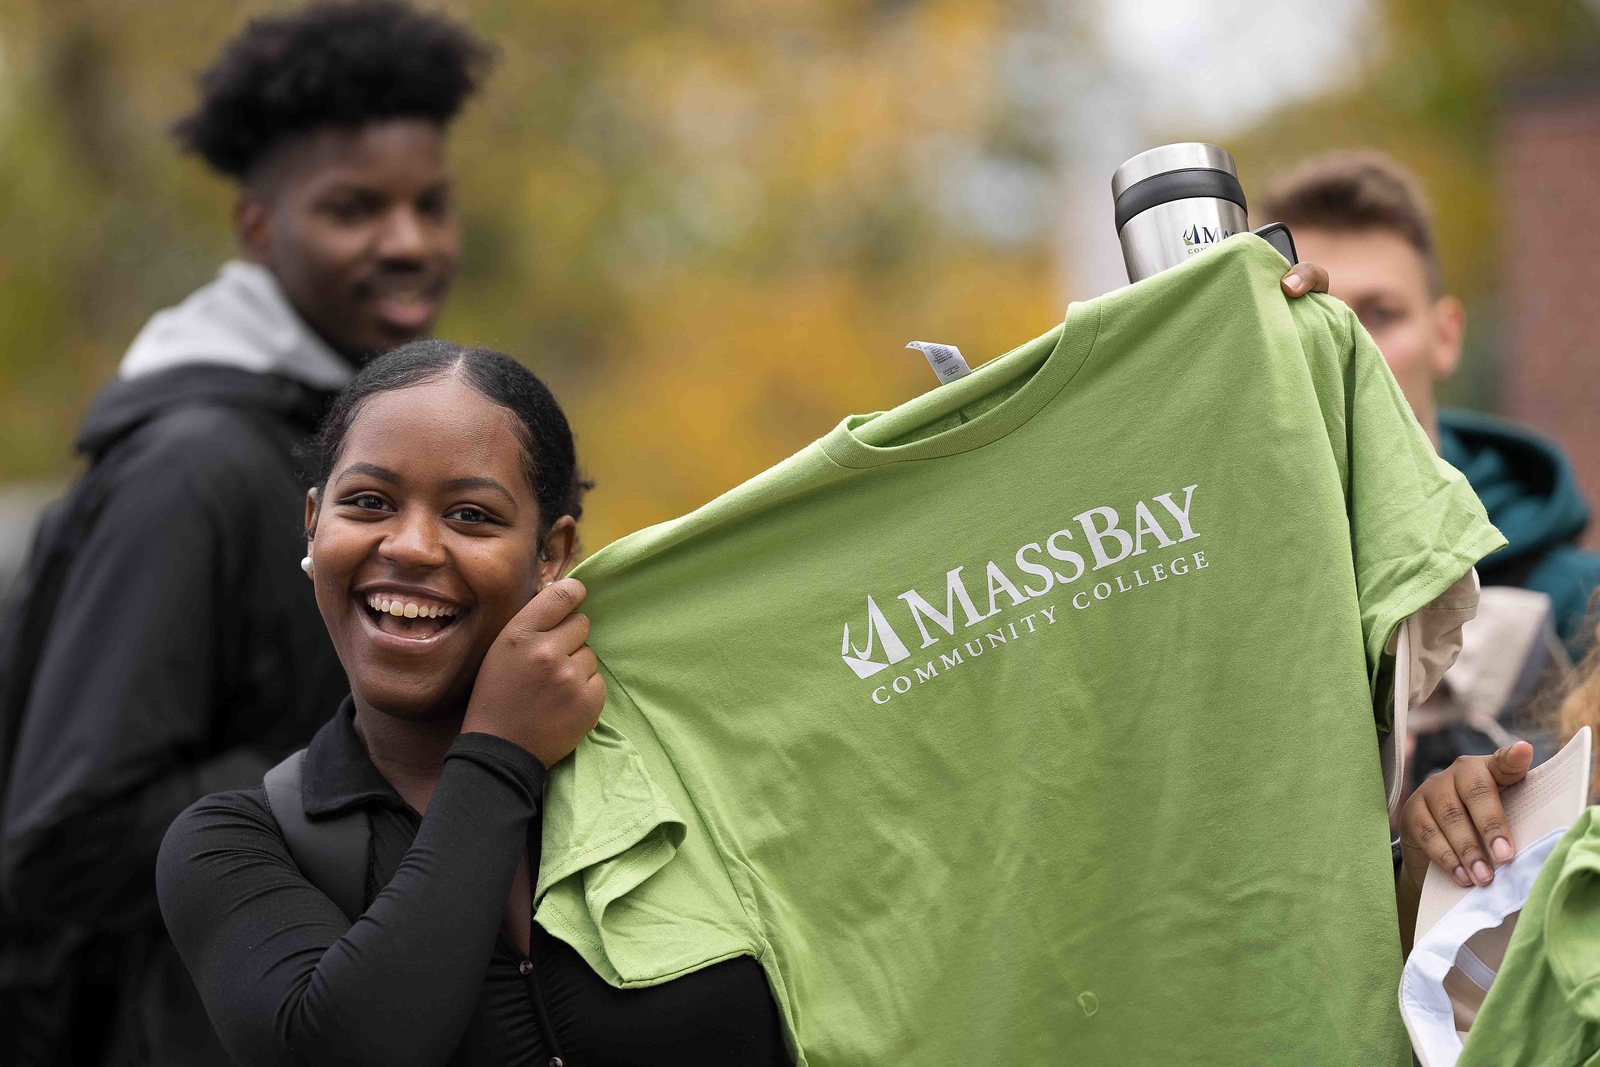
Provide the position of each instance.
(164, 644)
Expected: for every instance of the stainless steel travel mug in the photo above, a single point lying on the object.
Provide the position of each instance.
(1174, 202)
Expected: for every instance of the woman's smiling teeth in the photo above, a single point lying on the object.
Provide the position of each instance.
(409, 617)
(409, 609)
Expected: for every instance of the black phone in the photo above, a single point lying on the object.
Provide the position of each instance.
(1277, 235)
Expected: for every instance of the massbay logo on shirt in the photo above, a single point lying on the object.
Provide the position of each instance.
(1154, 521)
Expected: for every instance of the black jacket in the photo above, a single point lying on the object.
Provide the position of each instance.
(186, 656)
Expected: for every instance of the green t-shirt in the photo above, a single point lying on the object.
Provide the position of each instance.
(1543, 1009)
(1031, 722)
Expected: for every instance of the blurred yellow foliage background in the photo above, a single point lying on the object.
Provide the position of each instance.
(711, 226)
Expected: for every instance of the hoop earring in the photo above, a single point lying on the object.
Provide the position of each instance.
(305, 565)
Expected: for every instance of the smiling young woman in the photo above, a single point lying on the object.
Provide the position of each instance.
(442, 519)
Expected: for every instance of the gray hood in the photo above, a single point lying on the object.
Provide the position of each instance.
(241, 320)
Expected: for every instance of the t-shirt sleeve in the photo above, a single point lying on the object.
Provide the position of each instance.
(628, 874)
(1416, 526)
(1572, 924)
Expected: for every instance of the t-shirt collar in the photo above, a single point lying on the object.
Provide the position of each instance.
(1043, 367)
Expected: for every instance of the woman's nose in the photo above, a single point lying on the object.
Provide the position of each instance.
(414, 542)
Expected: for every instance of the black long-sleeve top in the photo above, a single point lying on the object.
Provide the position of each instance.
(426, 975)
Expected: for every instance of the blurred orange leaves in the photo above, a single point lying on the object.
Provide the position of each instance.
(712, 227)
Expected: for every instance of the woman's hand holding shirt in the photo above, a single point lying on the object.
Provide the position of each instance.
(538, 685)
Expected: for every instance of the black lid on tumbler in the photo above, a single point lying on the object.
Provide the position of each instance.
(1182, 171)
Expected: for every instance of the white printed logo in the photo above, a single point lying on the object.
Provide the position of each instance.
(1036, 566)
(877, 629)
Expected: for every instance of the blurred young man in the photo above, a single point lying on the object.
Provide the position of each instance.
(1361, 216)
(166, 645)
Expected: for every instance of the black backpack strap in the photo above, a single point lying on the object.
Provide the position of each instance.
(330, 852)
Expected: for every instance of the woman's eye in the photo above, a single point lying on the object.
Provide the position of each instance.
(367, 501)
(470, 515)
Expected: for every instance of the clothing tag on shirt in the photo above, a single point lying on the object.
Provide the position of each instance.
(945, 360)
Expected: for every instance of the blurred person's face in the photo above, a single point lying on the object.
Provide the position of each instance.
(428, 508)
(1385, 282)
(358, 227)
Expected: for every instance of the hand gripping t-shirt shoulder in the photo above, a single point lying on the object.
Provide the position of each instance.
(1032, 721)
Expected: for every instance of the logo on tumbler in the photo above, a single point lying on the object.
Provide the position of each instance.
(1198, 238)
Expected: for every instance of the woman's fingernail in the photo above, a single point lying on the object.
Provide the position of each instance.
(1502, 850)
(1481, 872)
(1461, 878)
